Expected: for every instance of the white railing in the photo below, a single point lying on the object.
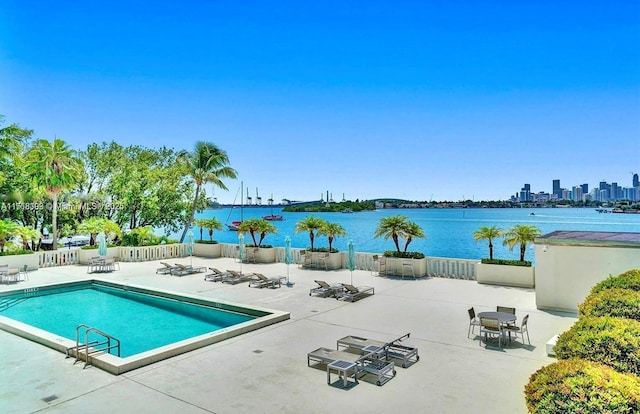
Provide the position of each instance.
(62, 257)
(149, 253)
(435, 266)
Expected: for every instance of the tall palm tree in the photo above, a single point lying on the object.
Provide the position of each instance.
(521, 234)
(205, 164)
(56, 168)
(488, 233)
(413, 231)
(257, 226)
(331, 230)
(311, 224)
(210, 224)
(265, 227)
(394, 227)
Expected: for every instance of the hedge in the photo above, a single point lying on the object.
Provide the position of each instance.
(611, 341)
(579, 386)
(403, 255)
(616, 302)
(506, 262)
(627, 280)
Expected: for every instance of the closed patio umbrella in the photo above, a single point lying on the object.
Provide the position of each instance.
(240, 249)
(102, 244)
(288, 257)
(190, 246)
(351, 259)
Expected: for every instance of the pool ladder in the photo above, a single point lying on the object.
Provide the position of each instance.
(104, 344)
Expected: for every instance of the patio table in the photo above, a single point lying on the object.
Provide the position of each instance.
(502, 317)
(342, 367)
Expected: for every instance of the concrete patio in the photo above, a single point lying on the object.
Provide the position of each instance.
(266, 371)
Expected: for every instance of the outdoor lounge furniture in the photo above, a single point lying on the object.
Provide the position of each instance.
(236, 277)
(101, 264)
(9, 275)
(491, 328)
(345, 362)
(262, 281)
(322, 261)
(181, 270)
(325, 290)
(473, 321)
(352, 293)
(519, 329)
(407, 355)
(165, 269)
(215, 275)
(307, 259)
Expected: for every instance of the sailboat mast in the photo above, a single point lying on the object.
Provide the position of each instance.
(242, 201)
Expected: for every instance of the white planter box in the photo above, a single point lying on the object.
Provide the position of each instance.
(206, 250)
(395, 266)
(505, 275)
(260, 254)
(17, 261)
(85, 255)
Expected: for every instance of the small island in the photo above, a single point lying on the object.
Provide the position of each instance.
(341, 207)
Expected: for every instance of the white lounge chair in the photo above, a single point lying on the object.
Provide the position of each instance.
(325, 290)
(352, 293)
(262, 281)
(389, 350)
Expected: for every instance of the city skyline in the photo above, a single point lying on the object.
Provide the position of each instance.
(604, 191)
(412, 100)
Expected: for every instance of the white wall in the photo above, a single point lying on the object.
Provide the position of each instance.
(566, 274)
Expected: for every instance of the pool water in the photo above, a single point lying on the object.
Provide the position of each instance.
(140, 321)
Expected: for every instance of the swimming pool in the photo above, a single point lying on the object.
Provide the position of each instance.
(150, 324)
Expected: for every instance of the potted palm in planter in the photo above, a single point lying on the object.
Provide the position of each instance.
(207, 248)
(258, 252)
(13, 255)
(401, 262)
(312, 225)
(332, 230)
(517, 273)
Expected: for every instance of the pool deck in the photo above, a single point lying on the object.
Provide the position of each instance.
(266, 371)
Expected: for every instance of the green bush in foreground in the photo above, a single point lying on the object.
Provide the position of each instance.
(579, 386)
(617, 303)
(611, 341)
(627, 280)
(403, 255)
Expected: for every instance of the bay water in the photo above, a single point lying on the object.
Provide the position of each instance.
(449, 231)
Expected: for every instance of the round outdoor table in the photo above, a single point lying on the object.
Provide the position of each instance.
(502, 317)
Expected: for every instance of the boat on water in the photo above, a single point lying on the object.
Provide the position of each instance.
(235, 225)
(347, 210)
(274, 217)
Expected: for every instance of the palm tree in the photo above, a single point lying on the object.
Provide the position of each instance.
(7, 229)
(311, 224)
(56, 168)
(521, 234)
(265, 227)
(413, 231)
(210, 224)
(95, 225)
(331, 230)
(28, 234)
(394, 227)
(488, 233)
(205, 164)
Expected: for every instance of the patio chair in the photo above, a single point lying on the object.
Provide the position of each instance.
(382, 370)
(520, 329)
(407, 355)
(165, 269)
(382, 266)
(307, 260)
(250, 254)
(506, 309)
(491, 327)
(322, 260)
(473, 321)
(262, 281)
(325, 290)
(215, 275)
(181, 270)
(352, 293)
(236, 277)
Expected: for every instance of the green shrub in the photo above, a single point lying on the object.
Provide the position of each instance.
(403, 255)
(579, 386)
(616, 302)
(206, 242)
(525, 263)
(627, 280)
(611, 341)
(14, 252)
(323, 249)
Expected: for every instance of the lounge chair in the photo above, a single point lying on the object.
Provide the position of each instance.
(215, 275)
(236, 277)
(389, 350)
(352, 293)
(165, 269)
(325, 290)
(262, 281)
(9, 275)
(360, 364)
(181, 270)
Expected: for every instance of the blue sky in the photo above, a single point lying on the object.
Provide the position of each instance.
(406, 99)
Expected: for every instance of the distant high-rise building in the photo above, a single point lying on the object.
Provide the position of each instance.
(636, 182)
(525, 193)
(585, 188)
(576, 193)
(556, 189)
